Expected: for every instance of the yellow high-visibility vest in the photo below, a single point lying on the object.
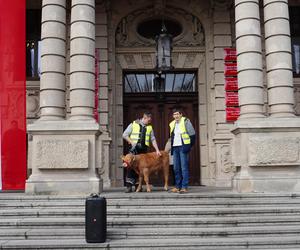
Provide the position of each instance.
(136, 133)
(184, 135)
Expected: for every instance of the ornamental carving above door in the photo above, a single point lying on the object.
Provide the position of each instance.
(192, 33)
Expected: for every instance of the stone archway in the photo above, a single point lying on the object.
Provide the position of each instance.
(133, 52)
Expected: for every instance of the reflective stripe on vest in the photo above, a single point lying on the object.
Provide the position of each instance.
(184, 135)
(136, 133)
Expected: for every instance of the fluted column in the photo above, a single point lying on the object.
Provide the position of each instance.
(82, 62)
(53, 60)
(249, 58)
(278, 57)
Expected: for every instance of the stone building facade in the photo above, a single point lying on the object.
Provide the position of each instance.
(71, 152)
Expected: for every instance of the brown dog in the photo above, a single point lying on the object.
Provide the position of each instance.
(145, 164)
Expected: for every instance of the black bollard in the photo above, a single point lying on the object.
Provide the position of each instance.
(95, 219)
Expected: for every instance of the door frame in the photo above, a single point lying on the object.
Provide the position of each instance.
(162, 110)
(143, 59)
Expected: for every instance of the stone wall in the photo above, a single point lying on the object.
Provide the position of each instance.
(215, 136)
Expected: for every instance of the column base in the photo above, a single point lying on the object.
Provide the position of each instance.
(267, 155)
(64, 186)
(267, 180)
(65, 158)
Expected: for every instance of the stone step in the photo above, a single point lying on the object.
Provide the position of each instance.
(223, 243)
(144, 222)
(127, 203)
(157, 220)
(114, 233)
(194, 194)
(153, 212)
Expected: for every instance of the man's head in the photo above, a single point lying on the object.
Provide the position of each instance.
(147, 116)
(177, 114)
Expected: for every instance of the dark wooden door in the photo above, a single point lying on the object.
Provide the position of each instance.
(161, 106)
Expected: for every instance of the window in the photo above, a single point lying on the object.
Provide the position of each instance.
(169, 82)
(295, 37)
(151, 28)
(33, 37)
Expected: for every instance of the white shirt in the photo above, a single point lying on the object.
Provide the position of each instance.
(177, 135)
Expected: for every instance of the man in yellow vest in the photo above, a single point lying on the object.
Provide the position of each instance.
(182, 135)
(139, 134)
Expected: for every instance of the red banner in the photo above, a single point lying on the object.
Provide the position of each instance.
(232, 114)
(231, 99)
(231, 84)
(230, 69)
(230, 54)
(12, 95)
(96, 113)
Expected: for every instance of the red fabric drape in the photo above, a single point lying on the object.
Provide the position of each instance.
(12, 94)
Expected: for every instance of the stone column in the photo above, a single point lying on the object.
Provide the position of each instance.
(53, 60)
(82, 59)
(278, 57)
(249, 58)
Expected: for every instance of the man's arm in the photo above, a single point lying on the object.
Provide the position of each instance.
(191, 131)
(127, 133)
(154, 143)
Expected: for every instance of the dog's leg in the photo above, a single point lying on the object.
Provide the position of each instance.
(146, 178)
(139, 188)
(166, 177)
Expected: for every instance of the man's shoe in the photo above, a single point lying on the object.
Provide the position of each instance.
(175, 190)
(128, 189)
(183, 190)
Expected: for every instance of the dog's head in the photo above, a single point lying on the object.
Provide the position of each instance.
(128, 160)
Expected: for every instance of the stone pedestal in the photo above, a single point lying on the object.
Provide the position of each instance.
(64, 157)
(267, 155)
(224, 167)
(103, 159)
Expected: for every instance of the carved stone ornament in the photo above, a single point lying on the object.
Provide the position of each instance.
(32, 103)
(227, 165)
(192, 30)
(221, 4)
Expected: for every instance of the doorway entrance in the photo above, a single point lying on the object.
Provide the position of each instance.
(177, 90)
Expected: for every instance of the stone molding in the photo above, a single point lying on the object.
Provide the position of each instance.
(127, 36)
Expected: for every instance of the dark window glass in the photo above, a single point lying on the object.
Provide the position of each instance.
(151, 28)
(295, 37)
(168, 82)
(33, 37)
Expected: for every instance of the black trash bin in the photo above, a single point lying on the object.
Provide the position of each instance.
(95, 219)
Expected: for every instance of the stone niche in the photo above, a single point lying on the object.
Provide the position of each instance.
(267, 155)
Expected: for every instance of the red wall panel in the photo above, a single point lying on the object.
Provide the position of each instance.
(12, 95)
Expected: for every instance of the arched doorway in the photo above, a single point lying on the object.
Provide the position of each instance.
(136, 54)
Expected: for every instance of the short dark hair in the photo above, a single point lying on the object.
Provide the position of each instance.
(147, 113)
(177, 110)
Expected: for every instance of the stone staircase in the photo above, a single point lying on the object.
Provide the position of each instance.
(201, 219)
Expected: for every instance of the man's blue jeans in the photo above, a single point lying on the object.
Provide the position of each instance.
(181, 167)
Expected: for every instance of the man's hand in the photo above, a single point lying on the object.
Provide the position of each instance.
(158, 152)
